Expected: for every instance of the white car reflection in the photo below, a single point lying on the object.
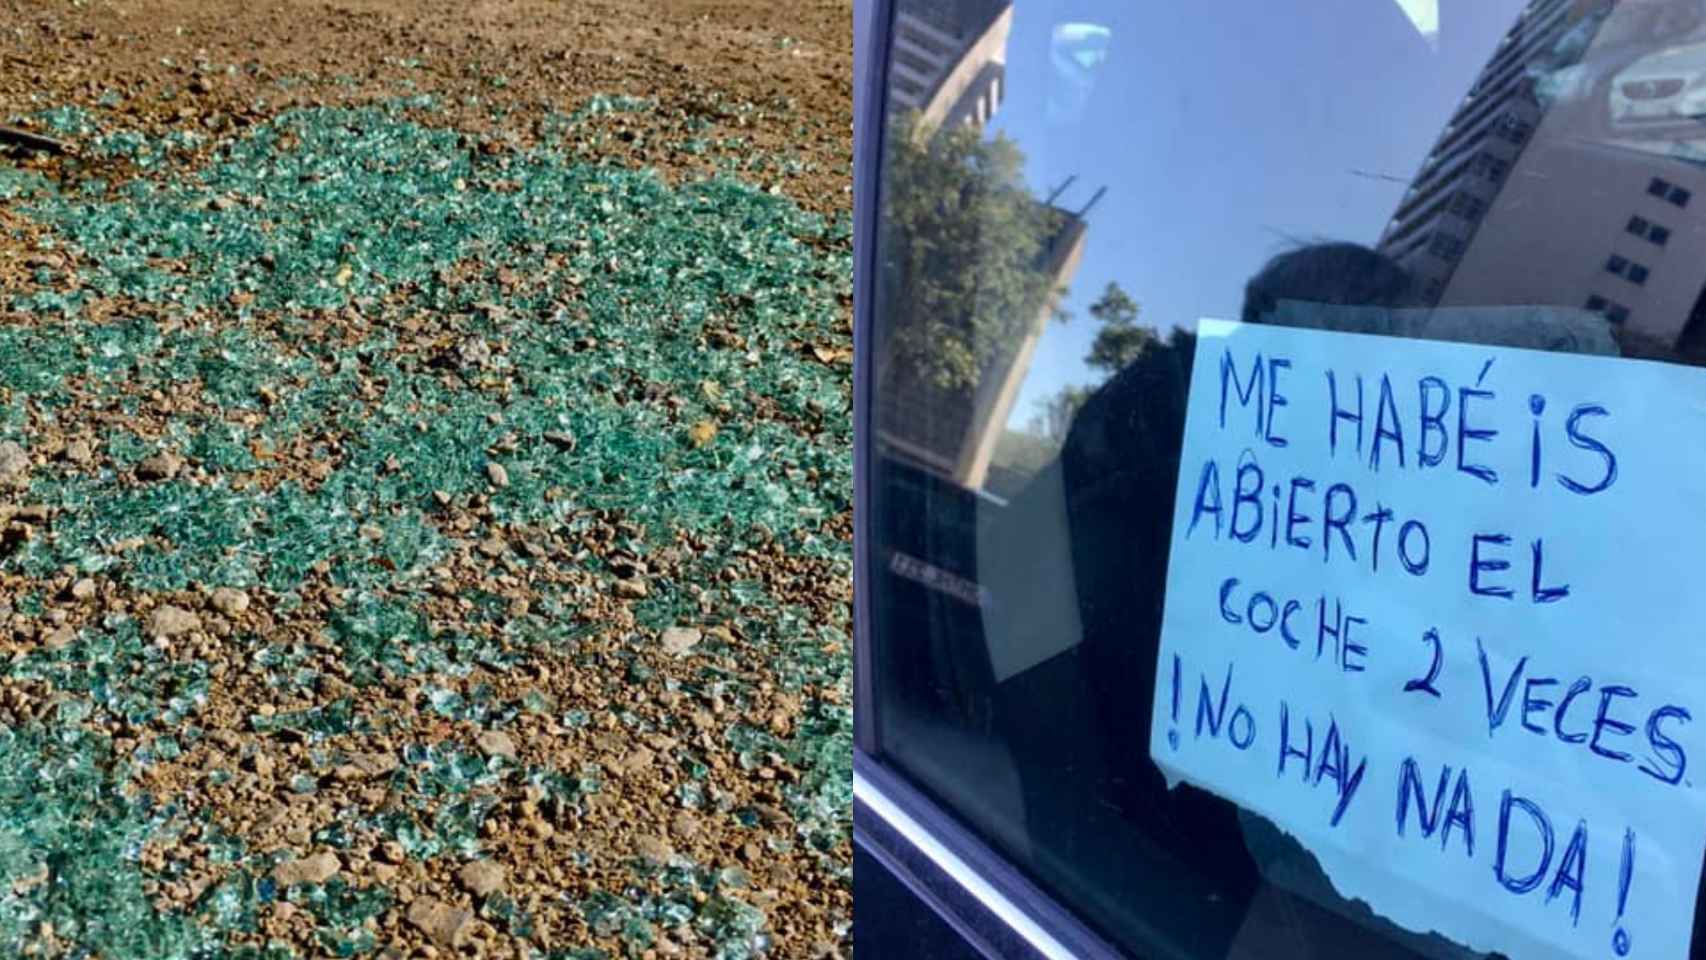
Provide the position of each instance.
(1662, 94)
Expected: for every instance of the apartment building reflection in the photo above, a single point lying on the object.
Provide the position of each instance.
(949, 60)
(1571, 174)
(949, 65)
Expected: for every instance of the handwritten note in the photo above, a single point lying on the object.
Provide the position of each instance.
(1438, 611)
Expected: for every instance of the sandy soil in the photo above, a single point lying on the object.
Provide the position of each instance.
(778, 77)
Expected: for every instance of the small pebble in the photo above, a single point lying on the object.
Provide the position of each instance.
(316, 869)
(496, 743)
(482, 877)
(679, 640)
(78, 452)
(161, 466)
(14, 464)
(168, 621)
(229, 601)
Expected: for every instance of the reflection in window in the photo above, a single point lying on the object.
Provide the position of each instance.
(1467, 205)
(1514, 130)
(1649, 231)
(1009, 689)
(1491, 167)
(1615, 312)
(975, 263)
(1446, 246)
(1635, 273)
(1669, 192)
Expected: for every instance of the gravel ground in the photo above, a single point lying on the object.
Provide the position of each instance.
(425, 480)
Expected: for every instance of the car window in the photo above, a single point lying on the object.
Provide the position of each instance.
(1284, 447)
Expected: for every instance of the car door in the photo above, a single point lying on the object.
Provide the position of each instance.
(1278, 445)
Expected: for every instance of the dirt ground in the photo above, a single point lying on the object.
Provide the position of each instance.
(752, 78)
(550, 55)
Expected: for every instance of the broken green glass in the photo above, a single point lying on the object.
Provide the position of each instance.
(341, 912)
(613, 342)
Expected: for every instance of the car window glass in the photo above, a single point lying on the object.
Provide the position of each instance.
(1079, 202)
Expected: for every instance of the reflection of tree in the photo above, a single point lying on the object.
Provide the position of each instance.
(1119, 343)
(1025, 452)
(1055, 416)
(965, 244)
(1121, 340)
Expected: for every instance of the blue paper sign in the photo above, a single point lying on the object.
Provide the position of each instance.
(1435, 610)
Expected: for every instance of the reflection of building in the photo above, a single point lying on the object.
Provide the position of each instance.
(955, 433)
(948, 63)
(1587, 213)
(1472, 159)
(949, 60)
(1607, 229)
